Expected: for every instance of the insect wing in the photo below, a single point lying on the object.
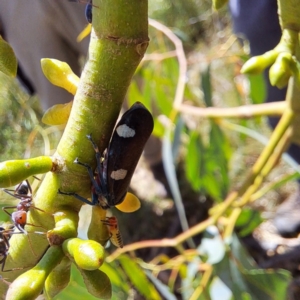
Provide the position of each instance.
(125, 150)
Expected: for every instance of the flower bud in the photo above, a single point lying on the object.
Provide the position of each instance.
(281, 70)
(257, 64)
(57, 114)
(60, 74)
(87, 254)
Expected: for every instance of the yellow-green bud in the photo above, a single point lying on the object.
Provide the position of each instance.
(257, 64)
(57, 114)
(58, 279)
(97, 283)
(281, 70)
(13, 172)
(59, 73)
(66, 223)
(30, 284)
(87, 254)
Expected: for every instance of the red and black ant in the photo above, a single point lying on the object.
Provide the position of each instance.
(5, 235)
(23, 192)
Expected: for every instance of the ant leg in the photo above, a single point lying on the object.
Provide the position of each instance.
(2, 262)
(32, 206)
(9, 192)
(29, 186)
(4, 208)
(30, 244)
(5, 281)
(77, 197)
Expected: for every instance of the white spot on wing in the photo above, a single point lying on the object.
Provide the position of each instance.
(118, 174)
(125, 131)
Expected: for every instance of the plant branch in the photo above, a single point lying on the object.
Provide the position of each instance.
(118, 42)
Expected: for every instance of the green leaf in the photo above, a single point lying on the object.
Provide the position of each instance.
(194, 166)
(138, 278)
(258, 91)
(116, 276)
(247, 221)
(206, 86)
(134, 94)
(217, 156)
(8, 60)
(267, 284)
(239, 272)
(76, 289)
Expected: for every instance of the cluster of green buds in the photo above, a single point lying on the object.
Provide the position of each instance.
(52, 272)
(281, 60)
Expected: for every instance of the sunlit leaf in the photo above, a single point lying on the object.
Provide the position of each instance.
(116, 276)
(219, 153)
(76, 288)
(247, 221)
(138, 278)
(257, 88)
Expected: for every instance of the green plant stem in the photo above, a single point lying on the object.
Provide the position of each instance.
(231, 222)
(271, 163)
(245, 111)
(119, 40)
(289, 11)
(273, 185)
(279, 131)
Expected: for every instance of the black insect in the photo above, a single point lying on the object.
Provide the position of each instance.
(115, 170)
(23, 192)
(88, 8)
(5, 235)
(88, 12)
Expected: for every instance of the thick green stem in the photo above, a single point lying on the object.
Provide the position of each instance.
(119, 40)
(289, 12)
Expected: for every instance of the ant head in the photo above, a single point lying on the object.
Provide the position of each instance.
(23, 188)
